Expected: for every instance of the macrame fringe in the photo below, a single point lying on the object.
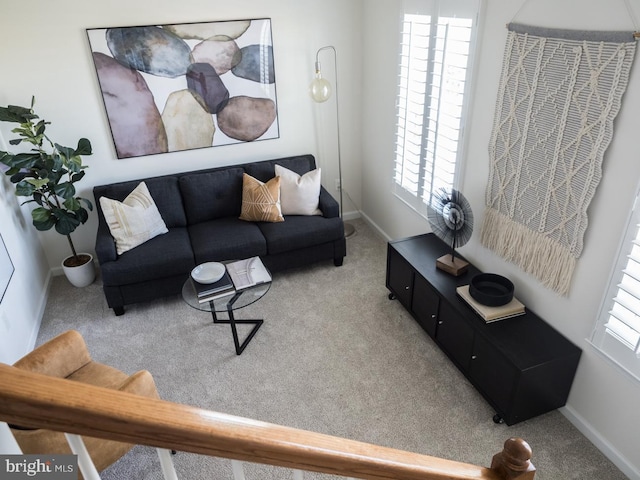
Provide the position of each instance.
(536, 254)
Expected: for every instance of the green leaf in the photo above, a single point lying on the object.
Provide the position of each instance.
(38, 198)
(15, 114)
(5, 157)
(82, 215)
(18, 176)
(40, 127)
(23, 160)
(43, 219)
(66, 152)
(76, 177)
(84, 147)
(38, 183)
(87, 203)
(75, 164)
(65, 190)
(24, 189)
(72, 204)
(66, 222)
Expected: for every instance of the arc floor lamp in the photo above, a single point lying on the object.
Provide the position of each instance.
(320, 90)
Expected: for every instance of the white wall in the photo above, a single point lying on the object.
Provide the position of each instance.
(25, 298)
(603, 401)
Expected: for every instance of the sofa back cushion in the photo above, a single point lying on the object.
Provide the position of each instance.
(164, 191)
(265, 171)
(213, 194)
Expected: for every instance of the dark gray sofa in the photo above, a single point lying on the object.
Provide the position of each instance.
(201, 210)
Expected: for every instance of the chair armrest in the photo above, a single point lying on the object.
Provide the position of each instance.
(59, 357)
(140, 383)
(327, 204)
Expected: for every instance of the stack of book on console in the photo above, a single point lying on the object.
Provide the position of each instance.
(491, 314)
(212, 291)
(248, 273)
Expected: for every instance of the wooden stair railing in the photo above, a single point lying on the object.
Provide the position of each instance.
(37, 401)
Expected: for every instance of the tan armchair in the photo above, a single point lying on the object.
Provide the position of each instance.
(66, 356)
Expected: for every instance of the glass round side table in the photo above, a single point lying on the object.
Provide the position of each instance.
(229, 304)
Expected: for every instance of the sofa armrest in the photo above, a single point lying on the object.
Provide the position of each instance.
(105, 244)
(328, 205)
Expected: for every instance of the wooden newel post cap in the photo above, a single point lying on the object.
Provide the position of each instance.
(514, 461)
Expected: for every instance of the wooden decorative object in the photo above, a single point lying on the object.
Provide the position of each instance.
(453, 265)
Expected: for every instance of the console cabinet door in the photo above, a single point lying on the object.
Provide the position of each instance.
(493, 375)
(400, 278)
(425, 305)
(455, 336)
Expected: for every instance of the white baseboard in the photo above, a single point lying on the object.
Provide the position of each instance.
(601, 444)
(360, 215)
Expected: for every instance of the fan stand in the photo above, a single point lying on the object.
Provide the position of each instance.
(452, 265)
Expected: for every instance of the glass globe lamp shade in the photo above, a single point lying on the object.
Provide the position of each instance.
(320, 89)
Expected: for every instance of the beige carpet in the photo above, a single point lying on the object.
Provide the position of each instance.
(334, 355)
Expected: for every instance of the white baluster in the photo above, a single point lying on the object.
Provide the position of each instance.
(238, 471)
(166, 463)
(88, 469)
(298, 475)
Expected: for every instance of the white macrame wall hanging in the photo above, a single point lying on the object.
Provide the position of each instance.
(559, 93)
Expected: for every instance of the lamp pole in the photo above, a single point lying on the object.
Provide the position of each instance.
(320, 91)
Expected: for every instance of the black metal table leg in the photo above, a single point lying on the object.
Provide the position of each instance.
(233, 322)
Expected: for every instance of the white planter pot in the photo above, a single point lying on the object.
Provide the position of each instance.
(82, 275)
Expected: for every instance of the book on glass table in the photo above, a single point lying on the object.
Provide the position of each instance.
(209, 289)
(214, 296)
(248, 273)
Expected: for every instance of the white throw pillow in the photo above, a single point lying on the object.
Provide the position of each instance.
(133, 221)
(299, 195)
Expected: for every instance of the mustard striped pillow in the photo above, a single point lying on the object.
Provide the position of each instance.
(134, 220)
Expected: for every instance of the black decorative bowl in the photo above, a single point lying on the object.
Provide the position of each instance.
(491, 289)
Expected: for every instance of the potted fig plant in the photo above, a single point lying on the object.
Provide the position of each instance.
(47, 174)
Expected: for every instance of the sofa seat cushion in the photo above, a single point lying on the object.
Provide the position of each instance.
(300, 231)
(162, 256)
(226, 239)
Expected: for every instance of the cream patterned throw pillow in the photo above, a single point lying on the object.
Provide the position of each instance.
(299, 194)
(260, 201)
(133, 221)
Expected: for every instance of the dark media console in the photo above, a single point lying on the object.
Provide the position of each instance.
(522, 366)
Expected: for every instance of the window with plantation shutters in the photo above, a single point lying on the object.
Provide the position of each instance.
(434, 80)
(617, 332)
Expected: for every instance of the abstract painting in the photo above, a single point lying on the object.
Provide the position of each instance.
(175, 87)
